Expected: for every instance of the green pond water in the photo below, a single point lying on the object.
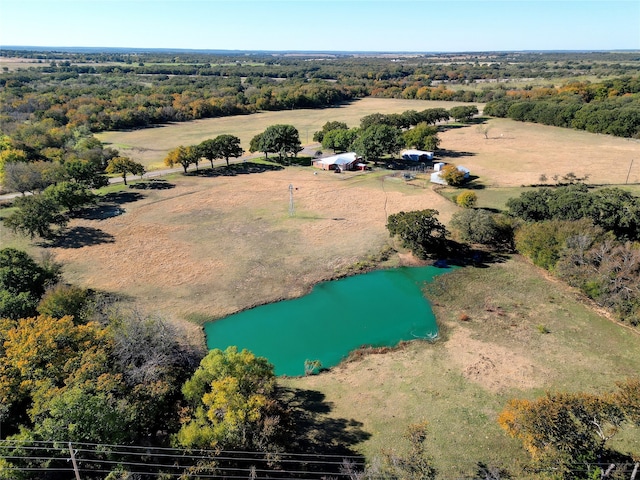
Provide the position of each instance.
(380, 308)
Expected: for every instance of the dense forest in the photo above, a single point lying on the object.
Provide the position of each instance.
(107, 91)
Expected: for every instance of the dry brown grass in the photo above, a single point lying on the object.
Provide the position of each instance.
(214, 246)
(518, 153)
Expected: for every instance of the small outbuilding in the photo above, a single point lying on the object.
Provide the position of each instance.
(343, 161)
(417, 156)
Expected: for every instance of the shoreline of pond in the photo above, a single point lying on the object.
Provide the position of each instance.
(375, 341)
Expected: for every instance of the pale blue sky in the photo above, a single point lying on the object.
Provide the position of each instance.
(360, 25)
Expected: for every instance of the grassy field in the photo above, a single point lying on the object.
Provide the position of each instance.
(461, 383)
(514, 153)
(150, 146)
(199, 247)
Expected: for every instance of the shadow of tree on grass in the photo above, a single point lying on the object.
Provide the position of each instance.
(109, 206)
(234, 169)
(120, 198)
(78, 237)
(152, 184)
(315, 430)
(454, 154)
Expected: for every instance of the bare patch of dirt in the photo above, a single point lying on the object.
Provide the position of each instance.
(492, 366)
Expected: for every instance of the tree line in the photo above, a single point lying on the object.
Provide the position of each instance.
(377, 136)
(143, 90)
(611, 107)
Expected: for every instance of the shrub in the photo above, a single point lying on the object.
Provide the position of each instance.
(64, 300)
(483, 227)
(452, 175)
(467, 199)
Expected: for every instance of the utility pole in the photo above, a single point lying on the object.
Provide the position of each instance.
(629, 172)
(291, 208)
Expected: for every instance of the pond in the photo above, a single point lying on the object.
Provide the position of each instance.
(380, 308)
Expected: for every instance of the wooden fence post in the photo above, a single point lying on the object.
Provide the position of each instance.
(73, 461)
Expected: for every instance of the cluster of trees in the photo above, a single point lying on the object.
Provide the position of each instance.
(114, 100)
(59, 189)
(611, 107)
(570, 433)
(587, 238)
(281, 140)
(46, 141)
(386, 134)
(75, 368)
(223, 146)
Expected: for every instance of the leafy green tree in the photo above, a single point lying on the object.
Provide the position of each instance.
(256, 145)
(483, 227)
(532, 205)
(374, 119)
(85, 173)
(21, 273)
(69, 195)
(618, 211)
(434, 115)
(62, 300)
(572, 202)
(231, 400)
(422, 137)
(282, 140)
(35, 216)
(124, 166)
(327, 127)
(184, 156)
(419, 231)
(223, 146)
(378, 140)
(409, 118)
(339, 140)
(463, 113)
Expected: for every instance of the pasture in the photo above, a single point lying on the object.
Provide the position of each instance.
(514, 154)
(497, 352)
(203, 246)
(149, 146)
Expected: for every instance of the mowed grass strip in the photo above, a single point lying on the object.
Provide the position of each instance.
(492, 350)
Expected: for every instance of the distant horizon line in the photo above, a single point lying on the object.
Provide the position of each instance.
(79, 49)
